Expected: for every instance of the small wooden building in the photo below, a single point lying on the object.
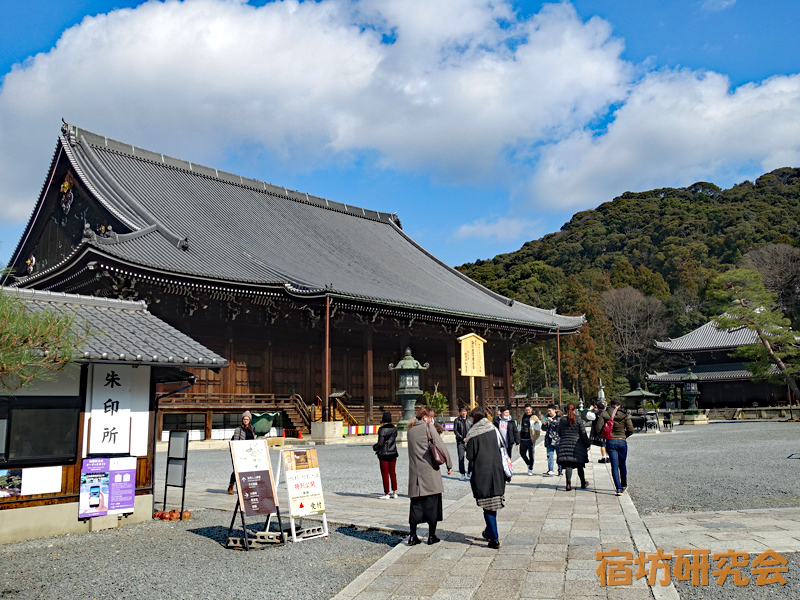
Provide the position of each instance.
(100, 411)
(301, 294)
(723, 382)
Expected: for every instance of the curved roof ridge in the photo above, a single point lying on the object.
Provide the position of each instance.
(499, 297)
(141, 211)
(708, 337)
(36, 208)
(114, 146)
(65, 298)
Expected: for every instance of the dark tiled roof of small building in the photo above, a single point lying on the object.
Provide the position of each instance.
(718, 372)
(708, 337)
(121, 331)
(249, 232)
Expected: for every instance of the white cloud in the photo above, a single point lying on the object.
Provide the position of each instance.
(467, 93)
(311, 82)
(501, 230)
(675, 128)
(716, 5)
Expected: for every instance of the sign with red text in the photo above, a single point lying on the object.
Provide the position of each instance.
(303, 482)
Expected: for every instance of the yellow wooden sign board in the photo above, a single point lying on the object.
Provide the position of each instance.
(472, 362)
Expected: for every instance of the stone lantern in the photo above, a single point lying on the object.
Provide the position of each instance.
(690, 390)
(408, 370)
(692, 416)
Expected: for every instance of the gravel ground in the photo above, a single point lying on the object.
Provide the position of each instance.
(347, 469)
(177, 560)
(720, 466)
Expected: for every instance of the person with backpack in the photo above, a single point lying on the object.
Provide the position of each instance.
(386, 450)
(615, 426)
(551, 439)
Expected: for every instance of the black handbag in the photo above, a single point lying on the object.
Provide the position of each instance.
(436, 454)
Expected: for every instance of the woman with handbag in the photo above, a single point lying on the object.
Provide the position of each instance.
(488, 476)
(386, 450)
(615, 425)
(426, 453)
(573, 446)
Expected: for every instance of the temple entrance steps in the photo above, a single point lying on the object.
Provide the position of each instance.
(722, 414)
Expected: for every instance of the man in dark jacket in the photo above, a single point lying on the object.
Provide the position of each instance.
(528, 432)
(461, 429)
(508, 429)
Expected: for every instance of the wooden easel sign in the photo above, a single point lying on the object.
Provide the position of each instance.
(255, 483)
(257, 495)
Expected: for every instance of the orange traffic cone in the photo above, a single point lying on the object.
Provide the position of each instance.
(299, 434)
(284, 433)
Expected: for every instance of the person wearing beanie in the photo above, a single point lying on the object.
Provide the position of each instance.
(386, 450)
(244, 431)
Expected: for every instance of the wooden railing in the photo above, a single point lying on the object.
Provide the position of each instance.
(340, 408)
(302, 410)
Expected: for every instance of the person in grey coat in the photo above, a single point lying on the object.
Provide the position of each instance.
(488, 478)
(573, 447)
(425, 487)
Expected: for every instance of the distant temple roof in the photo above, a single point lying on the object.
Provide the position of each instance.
(718, 372)
(216, 227)
(707, 337)
(121, 331)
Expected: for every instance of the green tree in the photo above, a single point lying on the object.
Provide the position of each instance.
(750, 306)
(34, 343)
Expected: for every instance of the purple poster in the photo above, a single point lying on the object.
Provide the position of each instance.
(93, 499)
(108, 486)
(121, 485)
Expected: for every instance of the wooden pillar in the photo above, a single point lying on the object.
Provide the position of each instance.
(160, 423)
(326, 416)
(209, 423)
(558, 348)
(368, 375)
(507, 376)
(452, 373)
(268, 384)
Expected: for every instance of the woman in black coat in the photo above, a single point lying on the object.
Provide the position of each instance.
(386, 449)
(488, 479)
(573, 448)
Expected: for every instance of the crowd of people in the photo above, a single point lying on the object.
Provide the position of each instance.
(485, 446)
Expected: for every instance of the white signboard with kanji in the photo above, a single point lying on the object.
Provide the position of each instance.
(118, 411)
(472, 361)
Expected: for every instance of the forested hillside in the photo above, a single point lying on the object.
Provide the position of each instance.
(639, 267)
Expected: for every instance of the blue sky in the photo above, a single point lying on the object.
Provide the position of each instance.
(484, 124)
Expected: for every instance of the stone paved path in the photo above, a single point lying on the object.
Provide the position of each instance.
(549, 540)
